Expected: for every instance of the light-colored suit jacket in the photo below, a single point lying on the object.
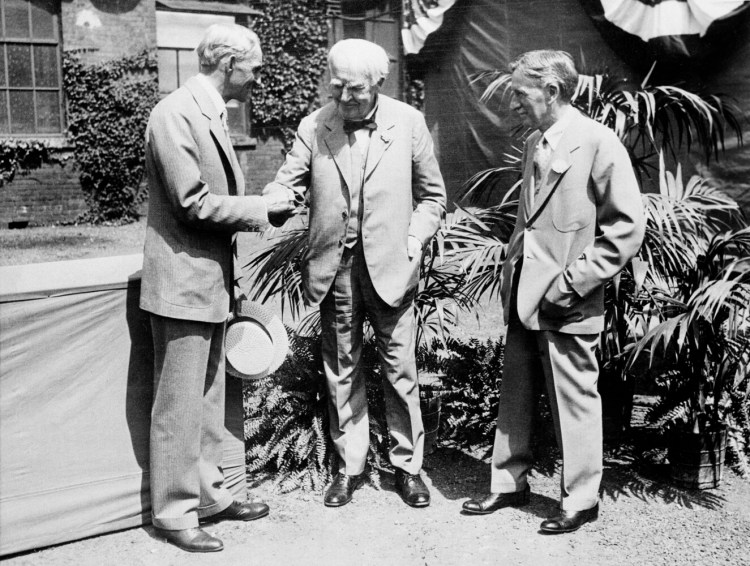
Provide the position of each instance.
(196, 204)
(403, 195)
(587, 222)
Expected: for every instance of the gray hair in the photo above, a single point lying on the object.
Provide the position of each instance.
(224, 40)
(549, 67)
(362, 56)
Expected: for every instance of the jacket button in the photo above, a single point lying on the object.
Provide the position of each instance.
(344, 215)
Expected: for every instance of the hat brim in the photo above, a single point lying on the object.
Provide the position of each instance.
(251, 332)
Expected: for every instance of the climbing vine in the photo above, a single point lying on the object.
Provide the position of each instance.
(294, 35)
(108, 107)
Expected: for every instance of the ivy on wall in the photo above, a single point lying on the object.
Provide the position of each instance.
(108, 108)
(294, 36)
(21, 156)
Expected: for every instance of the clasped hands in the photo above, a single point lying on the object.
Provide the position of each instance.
(282, 204)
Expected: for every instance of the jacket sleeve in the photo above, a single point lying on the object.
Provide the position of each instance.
(295, 172)
(428, 189)
(171, 143)
(620, 220)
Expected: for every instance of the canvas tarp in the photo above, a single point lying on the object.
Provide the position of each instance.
(75, 397)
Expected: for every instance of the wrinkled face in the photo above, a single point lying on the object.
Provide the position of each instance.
(530, 101)
(352, 92)
(243, 74)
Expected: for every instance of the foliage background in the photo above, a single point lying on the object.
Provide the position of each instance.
(108, 108)
(295, 45)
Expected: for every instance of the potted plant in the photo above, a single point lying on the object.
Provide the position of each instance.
(698, 345)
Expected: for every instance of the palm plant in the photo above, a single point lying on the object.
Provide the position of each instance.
(699, 343)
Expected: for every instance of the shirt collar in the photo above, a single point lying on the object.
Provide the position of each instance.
(555, 132)
(213, 93)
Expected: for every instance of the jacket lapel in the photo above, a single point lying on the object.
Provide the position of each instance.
(337, 143)
(380, 140)
(561, 160)
(209, 110)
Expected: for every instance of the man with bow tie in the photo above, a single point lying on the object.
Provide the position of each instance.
(580, 220)
(365, 165)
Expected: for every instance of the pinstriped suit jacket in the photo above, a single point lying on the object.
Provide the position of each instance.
(196, 204)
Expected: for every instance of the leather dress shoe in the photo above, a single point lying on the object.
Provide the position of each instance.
(569, 521)
(412, 489)
(246, 511)
(191, 540)
(341, 490)
(495, 501)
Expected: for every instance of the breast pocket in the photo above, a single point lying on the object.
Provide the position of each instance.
(573, 208)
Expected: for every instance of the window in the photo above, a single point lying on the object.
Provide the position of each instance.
(30, 79)
(177, 36)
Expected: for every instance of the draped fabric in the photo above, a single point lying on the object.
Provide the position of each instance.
(76, 374)
(420, 19)
(666, 30)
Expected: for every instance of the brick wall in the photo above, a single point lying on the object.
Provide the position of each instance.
(261, 163)
(48, 195)
(107, 29)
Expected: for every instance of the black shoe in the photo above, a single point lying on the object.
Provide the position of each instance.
(247, 511)
(191, 540)
(495, 501)
(569, 521)
(412, 489)
(341, 490)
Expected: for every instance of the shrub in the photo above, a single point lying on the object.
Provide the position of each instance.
(287, 425)
(108, 109)
(21, 156)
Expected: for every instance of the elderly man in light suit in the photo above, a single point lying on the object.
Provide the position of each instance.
(580, 219)
(366, 166)
(196, 204)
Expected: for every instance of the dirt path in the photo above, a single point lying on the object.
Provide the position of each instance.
(643, 521)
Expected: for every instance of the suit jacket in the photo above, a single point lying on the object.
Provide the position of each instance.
(403, 195)
(587, 222)
(196, 203)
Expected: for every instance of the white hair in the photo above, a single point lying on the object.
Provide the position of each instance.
(362, 57)
(224, 40)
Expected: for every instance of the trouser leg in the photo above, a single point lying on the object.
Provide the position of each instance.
(522, 373)
(342, 317)
(571, 372)
(395, 331)
(185, 473)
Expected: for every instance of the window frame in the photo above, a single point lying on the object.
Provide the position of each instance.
(6, 87)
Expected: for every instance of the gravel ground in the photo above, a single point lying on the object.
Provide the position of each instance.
(643, 521)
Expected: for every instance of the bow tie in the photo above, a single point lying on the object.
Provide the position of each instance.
(354, 125)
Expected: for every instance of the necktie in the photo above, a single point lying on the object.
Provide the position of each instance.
(354, 125)
(542, 156)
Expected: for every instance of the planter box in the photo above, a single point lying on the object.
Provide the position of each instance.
(696, 459)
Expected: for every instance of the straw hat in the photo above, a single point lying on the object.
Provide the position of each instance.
(256, 342)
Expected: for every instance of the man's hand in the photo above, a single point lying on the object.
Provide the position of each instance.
(281, 206)
(413, 247)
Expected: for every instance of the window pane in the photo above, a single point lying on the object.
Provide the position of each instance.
(45, 65)
(167, 70)
(19, 65)
(188, 64)
(48, 112)
(2, 65)
(4, 113)
(42, 19)
(17, 18)
(22, 112)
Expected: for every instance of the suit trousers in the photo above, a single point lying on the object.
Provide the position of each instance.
(343, 311)
(567, 362)
(187, 422)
